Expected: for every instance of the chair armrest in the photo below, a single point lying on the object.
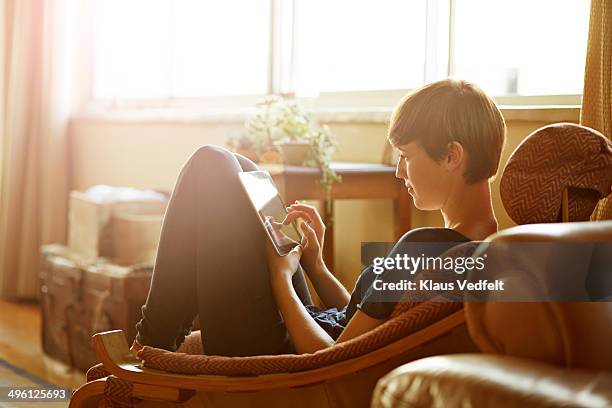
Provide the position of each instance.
(113, 351)
(479, 380)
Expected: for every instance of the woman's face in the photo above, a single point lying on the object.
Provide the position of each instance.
(427, 181)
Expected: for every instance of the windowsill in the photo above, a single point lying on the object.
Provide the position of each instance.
(534, 113)
(545, 113)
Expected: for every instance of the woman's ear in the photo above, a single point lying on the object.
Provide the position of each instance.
(455, 156)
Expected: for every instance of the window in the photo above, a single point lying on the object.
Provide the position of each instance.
(156, 49)
(347, 45)
(180, 49)
(521, 47)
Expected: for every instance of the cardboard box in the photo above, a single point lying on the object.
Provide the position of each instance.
(135, 238)
(92, 234)
(81, 296)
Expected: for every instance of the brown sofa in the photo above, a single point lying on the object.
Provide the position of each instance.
(535, 354)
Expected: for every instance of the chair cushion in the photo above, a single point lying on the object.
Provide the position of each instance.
(553, 158)
(409, 318)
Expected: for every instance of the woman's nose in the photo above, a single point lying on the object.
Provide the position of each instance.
(399, 170)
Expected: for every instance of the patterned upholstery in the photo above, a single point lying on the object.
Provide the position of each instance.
(407, 319)
(96, 372)
(549, 160)
(117, 393)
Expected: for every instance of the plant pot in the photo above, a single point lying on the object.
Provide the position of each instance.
(271, 156)
(295, 154)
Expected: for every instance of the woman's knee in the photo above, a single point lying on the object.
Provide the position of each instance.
(212, 159)
(211, 154)
(208, 161)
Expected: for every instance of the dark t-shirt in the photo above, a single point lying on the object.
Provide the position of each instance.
(363, 297)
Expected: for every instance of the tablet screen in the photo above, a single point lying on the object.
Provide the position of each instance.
(271, 210)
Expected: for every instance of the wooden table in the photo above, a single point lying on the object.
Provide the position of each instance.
(359, 181)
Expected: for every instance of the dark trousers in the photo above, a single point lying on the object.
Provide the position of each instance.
(211, 261)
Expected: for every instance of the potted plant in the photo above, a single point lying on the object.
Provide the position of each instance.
(282, 128)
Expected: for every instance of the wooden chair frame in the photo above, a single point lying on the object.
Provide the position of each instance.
(148, 384)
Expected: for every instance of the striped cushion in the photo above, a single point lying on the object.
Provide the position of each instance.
(409, 318)
(553, 158)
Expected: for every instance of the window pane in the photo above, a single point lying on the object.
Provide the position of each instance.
(130, 43)
(522, 47)
(348, 45)
(221, 47)
(180, 48)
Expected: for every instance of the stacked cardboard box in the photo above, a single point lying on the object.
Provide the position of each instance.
(101, 279)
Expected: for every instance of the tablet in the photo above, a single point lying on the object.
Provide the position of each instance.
(270, 209)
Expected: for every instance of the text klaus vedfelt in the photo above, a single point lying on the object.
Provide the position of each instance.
(412, 264)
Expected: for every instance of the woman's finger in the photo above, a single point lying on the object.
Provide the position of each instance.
(304, 207)
(293, 215)
(309, 233)
(310, 210)
(291, 209)
(305, 244)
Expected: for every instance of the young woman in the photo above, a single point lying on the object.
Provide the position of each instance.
(215, 260)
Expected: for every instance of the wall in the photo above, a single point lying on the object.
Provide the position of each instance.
(149, 154)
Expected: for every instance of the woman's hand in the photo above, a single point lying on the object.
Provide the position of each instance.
(136, 346)
(282, 266)
(313, 229)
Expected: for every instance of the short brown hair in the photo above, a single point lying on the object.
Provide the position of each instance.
(452, 110)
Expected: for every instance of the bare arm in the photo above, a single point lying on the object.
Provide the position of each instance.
(329, 289)
(306, 334)
(331, 292)
(359, 324)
